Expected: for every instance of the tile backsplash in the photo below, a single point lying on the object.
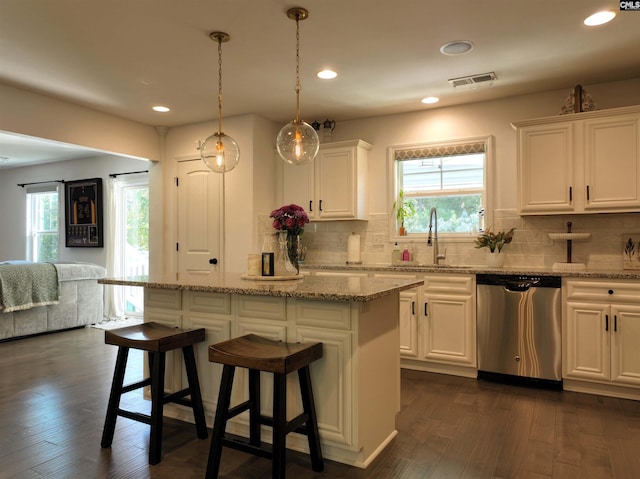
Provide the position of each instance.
(531, 245)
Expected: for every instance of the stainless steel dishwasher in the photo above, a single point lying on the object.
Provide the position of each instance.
(520, 329)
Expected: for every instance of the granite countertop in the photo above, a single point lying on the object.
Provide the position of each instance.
(347, 289)
(409, 267)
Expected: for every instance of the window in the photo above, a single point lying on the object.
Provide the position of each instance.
(451, 177)
(130, 247)
(42, 223)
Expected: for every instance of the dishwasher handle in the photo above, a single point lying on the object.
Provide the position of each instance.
(520, 286)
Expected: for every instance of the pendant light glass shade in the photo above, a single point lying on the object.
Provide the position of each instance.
(297, 142)
(220, 153)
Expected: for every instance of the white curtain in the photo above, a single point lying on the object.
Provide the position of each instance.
(113, 302)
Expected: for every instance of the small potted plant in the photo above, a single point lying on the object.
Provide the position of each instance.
(404, 209)
(495, 242)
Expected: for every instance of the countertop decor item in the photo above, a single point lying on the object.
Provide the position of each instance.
(494, 241)
(291, 219)
(569, 237)
(404, 209)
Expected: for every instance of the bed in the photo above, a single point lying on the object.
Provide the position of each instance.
(43, 297)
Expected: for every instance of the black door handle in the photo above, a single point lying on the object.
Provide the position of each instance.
(213, 261)
(425, 309)
(606, 322)
(413, 307)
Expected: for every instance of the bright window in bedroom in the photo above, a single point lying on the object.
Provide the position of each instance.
(42, 223)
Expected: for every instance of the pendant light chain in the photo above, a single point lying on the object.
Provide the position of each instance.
(220, 85)
(298, 68)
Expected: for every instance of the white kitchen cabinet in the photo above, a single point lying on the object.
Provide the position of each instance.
(334, 185)
(408, 327)
(580, 163)
(601, 334)
(449, 332)
(438, 324)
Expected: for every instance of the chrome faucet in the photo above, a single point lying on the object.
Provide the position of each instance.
(433, 240)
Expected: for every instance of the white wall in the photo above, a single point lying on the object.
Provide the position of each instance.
(13, 198)
(31, 114)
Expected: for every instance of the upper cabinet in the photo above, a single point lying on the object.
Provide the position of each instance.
(334, 185)
(580, 163)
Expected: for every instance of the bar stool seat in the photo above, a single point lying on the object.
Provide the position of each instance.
(156, 339)
(260, 354)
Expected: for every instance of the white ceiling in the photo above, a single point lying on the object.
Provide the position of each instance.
(124, 56)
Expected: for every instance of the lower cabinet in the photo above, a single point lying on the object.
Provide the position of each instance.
(438, 325)
(602, 336)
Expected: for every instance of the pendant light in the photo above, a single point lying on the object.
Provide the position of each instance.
(220, 152)
(297, 143)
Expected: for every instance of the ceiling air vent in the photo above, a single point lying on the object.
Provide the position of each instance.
(472, 81)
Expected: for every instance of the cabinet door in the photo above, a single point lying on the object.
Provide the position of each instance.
(449, 332)
(612, 169)
(336, 176)
(625, 342)
(545, 168)
(587, 349)
(299, 188)
(409, 323)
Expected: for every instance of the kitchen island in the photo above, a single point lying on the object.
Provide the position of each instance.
(357, 381)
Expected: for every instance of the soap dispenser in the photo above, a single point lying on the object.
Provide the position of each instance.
(396, 256)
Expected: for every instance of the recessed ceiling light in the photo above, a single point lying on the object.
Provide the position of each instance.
(327, 74)
(599, 18)
(161, 109)
(430, 100)
(458, 47)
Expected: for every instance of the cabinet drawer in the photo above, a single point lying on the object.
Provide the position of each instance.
(603, 290)
(450, 284)
(162, 298)
(323, 315)
(215, 303)
(262, 307)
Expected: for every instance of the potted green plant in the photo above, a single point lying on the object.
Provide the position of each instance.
(495, 242)
(404, 209)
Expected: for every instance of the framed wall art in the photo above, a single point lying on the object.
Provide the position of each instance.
(83, 213)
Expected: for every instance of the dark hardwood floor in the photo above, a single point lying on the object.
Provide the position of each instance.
(54, 390)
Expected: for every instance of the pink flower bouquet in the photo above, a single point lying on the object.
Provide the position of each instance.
(290, 218)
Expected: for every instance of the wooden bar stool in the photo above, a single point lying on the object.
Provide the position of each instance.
(259, 354)
(156, 339)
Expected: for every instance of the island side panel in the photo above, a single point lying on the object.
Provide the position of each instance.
(378, 374)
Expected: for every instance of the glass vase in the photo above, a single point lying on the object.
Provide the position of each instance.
(284, 266)
(294, 246)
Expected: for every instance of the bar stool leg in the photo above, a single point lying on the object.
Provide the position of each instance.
(194, 387)
(157, 404)
(114, 397)
(306, 391)
(220, 422)
(254, 408)
(279, 426)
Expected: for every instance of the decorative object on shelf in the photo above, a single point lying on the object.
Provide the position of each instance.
(494, 242)
(220, 152)
(327, 130)
(290, 219)
(297, 142)
(570, 237)
(404, 209)
(631, 251)
(578, 101)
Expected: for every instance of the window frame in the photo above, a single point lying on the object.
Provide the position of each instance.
(393, 187)
(32, 232)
